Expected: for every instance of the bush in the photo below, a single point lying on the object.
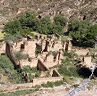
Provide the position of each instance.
(60, 20)
(57, 29)
(28, 69)
(49, 84)
(12, 27)
(32, 72)
(67, 68)
(52, 84)
(20, 92)
(71, 55)
(20, 55)
(59, 24)
(45, 26)
(14, 38)
(58, 83)
(68, 71)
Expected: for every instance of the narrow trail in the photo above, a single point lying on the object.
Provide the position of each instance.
(83, 85)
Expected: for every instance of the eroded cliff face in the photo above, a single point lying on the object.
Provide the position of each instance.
(70, 8)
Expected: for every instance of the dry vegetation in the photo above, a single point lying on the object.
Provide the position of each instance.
(70, 8)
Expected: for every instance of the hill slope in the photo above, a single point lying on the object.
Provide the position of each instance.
(70, 8)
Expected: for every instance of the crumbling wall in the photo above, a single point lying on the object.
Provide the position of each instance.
(55, 73)
(11, 55)
(37, 81)
(40, 81)
(41, 66)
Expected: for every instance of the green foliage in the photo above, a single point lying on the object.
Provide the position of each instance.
(19, 92)
(60, 20)
(20, 55)
(67, 68)
(12, 27)
(68, 71)
(26, 20)
(28, 69)
(57, 29)
(45, 26)
(37, 73)
(49, 84)
(52, 84)
(14, 38)
(29, 22)
(71, 55)
(8, 67)
(59, 24)
(58, 83)
(32, 72)
(83, 33)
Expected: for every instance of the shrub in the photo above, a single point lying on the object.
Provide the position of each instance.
(58, 83)
(32, 72)
(49, 84)
(12, 27)
(45, 26)
(60, 20)
(52, 84)
(57, 29)
(67, 68)
(20, 55)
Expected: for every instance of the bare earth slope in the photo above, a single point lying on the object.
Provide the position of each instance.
(70, 8)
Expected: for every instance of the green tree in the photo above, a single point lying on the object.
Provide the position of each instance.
(12, 27)
(57, 29)
(59, 24)
(60, 20)
(83, 33)
(45, 26)
(29, 22)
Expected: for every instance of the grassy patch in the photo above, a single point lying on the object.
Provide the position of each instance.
(67, 69)
(52, 84)
(7, 68)
(20, 92)
(1, 36)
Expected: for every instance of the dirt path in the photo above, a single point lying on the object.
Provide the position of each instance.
(60, 91)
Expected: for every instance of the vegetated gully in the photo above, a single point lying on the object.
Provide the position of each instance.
(85, 82)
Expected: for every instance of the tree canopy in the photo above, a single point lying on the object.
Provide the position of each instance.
(30, 22)
(83, 33)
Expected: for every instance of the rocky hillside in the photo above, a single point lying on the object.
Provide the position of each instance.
(71, 8)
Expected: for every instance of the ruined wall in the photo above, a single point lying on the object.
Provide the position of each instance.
(37, 81)
(11, 55)
(41, 66)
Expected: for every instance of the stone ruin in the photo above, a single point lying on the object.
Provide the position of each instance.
(43, 52)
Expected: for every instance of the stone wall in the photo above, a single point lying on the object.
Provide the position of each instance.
(11, 55)
(41, 66)
(37, 81)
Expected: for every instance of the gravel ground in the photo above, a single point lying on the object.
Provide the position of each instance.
(61, 91)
